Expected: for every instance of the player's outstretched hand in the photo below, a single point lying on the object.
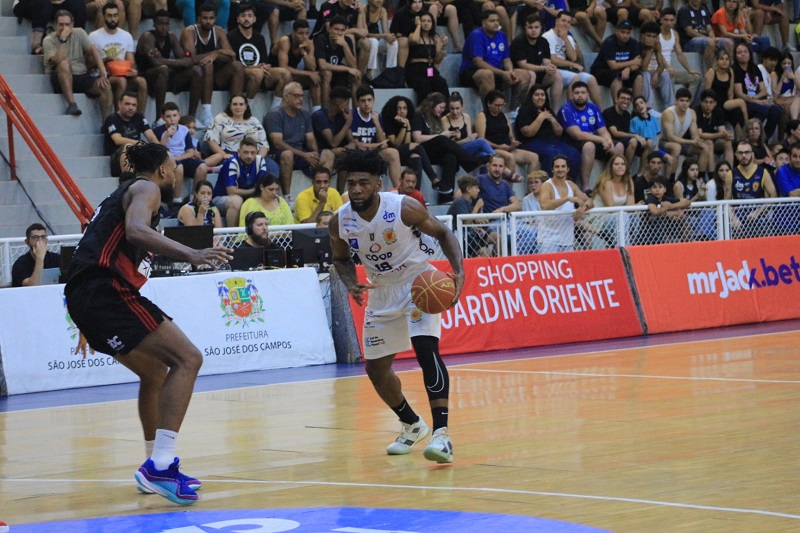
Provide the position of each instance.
(357, 291)
(213, 257)
(459, 280)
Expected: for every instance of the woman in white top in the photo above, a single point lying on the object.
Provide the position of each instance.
(614, 189)
(229, 129)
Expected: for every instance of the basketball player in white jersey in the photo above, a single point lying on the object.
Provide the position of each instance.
(386, 231)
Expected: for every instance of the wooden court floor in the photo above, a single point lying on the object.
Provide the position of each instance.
(697, 437)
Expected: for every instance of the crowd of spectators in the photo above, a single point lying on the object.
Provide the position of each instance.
(543, 102)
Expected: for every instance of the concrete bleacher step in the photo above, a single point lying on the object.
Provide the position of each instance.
(74, 145)
(95, 189)
(77, 167)
(29, 83)
(11, 45)
(57, 213)
(9, 27)
(22, 64)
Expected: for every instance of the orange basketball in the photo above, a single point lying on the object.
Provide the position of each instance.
(433, 291)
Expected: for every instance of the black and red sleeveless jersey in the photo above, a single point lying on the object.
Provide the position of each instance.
(104, 246)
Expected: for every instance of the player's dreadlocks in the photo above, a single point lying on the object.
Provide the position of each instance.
(145, 158)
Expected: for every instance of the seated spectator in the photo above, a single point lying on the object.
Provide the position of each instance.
(731, 22)
(711, 125)
(668, 40)
(720, 79)
(720, 176)
(691, 185)
(42, 12)
(787, 178)
(425, 54)
(530, 202)
(189, 11)
(486, 62)
(681, 136)
(762, 155)
(568, 57)
(355, 27)
(619, 63)
(368, 133)
(165, 66)
(230, 127)
(332, 126)
(665, 220)
(191, 125)
(409, 186)
(207, 44)
(457, 120)
(293, 49)
(696, 32)
(614, 185)
(427, 128)
(556, 234)
(655, 74)
(653, 170)
(237, 180)
(539, 132)
(769, 12)
(126, 126)
(586, 130)
(785, 83)
(591, 17)
(748, 181)
(180, 143)
(116, 44)
(496, 193)
(200, 210)
(749, 85)
(381, 39)
(448, 13)
(336, 60)
(324, 219)
(527, 229)
(467, 203)
(618, 122)
(793, 135)
(318, 198)
(780, 156)
(403, 25)
(282, 11)
(250, 48)
(396, 118)
(267, 199)
(291, 136)
(630, 11)
(494, 126)
(256, 226)
(27, 269)
(647, 125)
(65, 52)
(531, 52)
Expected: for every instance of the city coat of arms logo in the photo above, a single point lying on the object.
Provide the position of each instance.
(240, 302)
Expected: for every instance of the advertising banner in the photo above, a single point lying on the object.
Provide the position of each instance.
(719, 283)
(522, 301)
(240, 321)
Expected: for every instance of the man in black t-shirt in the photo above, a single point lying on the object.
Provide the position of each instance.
(336, 60)
(126, 126)
(696, 32)
(27, 269)
(642, 182)
(619, 63)
(531, 53)
(711, 124)
(250, 48)
(618, 122)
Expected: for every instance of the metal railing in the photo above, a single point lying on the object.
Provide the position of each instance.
(17, 118)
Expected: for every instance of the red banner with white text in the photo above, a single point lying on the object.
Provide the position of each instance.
(710, 284)
(522, 301)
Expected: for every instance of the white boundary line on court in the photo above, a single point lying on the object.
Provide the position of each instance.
(434, 488)
(643, 376)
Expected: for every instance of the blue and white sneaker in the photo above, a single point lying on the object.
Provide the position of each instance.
(194, 484)
(169, 483)
(439, 447)
(409, 435)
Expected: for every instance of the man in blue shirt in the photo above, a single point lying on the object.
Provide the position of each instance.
(486, 62)
(237, 180)
(787, 179)
(585, 128)
(497, 195)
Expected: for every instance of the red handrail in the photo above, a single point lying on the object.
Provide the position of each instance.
(18, 118)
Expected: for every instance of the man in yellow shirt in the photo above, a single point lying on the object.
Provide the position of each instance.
(317, 198)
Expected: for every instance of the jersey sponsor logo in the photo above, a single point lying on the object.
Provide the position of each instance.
(374, 247)
(240, 302)
(389, 236)
(374, 340)
(353, 242)
(388, 217)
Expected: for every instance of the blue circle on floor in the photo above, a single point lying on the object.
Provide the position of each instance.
(314, 520)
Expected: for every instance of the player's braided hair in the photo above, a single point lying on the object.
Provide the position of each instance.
(368, 161)
(145, 158)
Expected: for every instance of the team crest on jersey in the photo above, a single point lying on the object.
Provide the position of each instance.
(416, 315)
(755, 186)
(353, 242)
(389, 236)
(240, 302)
(592, 120)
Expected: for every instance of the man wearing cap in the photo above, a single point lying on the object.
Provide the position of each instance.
(619, 63)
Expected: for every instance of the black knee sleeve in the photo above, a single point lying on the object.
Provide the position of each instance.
(434, 373)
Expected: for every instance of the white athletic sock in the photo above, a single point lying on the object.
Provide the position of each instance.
(276, 102)
(164, 448)
(207, 114)
(148, 448)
